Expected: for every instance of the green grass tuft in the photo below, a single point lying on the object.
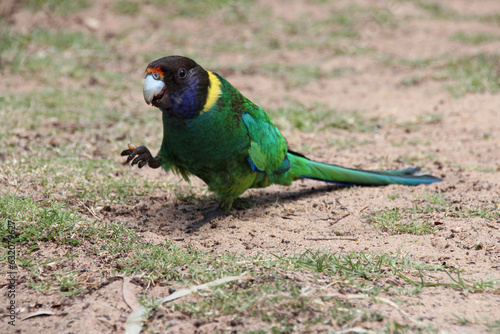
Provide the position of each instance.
(128, 7)
(320, 118)
(474, 74)
(474, 38)
(438, 10)
(193, 8)
(60, 7)
(391, 221)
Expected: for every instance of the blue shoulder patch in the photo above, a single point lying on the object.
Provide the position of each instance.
(252, 165)
(285, 166)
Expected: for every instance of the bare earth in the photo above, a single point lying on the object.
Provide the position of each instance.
(463, 148)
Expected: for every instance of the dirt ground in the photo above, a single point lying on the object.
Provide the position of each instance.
(462, 147)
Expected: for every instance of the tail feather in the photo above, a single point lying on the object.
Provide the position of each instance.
(302, 167)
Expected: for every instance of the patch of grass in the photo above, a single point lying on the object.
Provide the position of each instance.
(393, 196)
(421, 120)
(416, 142)
(68, 142)
(416, 159)
(433, 198)
(411, 220)
(494, 327)
(283, 290)
(437, 10)
(336, 33)
(282, 304)
(281, 296)
(184, 264)
(301, 74)
(419, 62)
(431, 118)
(437, 202)
(193, 8)
(39, 221)
(391, 221)
(61, 7)
(348, 142)
(474, 38)
(86, 180)
(230, 46)
(67, 283)
(481, 212)
(47, 54)
(485, 169)
(474, 74)
(417, 216)
(60, 106)
(320, 118)
(413, 80)
(489, 18)
(296, 75)
(478, 73)
(128, 7)
(462, 321)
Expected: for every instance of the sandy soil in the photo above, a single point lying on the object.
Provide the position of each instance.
(464, 148)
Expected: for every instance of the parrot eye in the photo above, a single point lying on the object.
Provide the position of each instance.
(182, 73)
(156, 75)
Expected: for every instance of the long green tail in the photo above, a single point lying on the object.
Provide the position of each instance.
(302, 167)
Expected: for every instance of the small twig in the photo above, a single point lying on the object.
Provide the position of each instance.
(332, 238)
(5, 284)
(91, 210)
(342, 206)
(319, 218)
(366, 207)
(339, 219)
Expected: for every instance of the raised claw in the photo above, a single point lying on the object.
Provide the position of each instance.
(131, 148)
(141, 156)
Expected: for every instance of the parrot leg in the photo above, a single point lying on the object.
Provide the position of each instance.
(226, 203)
(142, 157)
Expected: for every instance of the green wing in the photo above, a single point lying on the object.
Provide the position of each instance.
(268, 151)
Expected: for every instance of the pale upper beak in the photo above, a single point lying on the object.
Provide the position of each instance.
(152, 88)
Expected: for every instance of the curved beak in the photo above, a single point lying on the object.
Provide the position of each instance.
(152, 88)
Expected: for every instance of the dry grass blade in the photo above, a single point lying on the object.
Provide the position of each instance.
(138, 316)
(38, 313)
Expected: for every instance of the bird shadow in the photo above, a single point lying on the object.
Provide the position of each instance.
(246, 205)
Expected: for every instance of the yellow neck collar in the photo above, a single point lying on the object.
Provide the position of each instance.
(214, 91)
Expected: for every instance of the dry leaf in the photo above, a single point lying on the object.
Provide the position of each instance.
(129, 295)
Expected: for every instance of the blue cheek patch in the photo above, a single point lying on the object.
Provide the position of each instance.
(186, 103)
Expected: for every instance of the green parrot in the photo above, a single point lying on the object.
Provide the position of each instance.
(212, 131)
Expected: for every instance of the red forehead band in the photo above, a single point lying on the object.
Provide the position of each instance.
(155, 70)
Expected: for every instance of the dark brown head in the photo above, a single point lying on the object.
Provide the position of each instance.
(176, 85)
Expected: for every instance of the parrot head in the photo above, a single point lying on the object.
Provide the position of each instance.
(178, 86)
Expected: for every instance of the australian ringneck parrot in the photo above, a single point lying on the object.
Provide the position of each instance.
(212, 131)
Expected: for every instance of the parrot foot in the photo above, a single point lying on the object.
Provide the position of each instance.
(141, 156)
